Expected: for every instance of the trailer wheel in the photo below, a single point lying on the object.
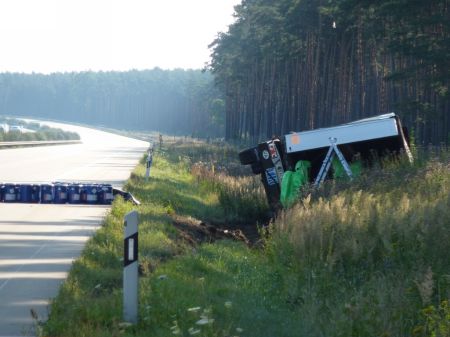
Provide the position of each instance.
(248, 156)
(256, 168)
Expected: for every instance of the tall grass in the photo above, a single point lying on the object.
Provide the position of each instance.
(215, 166)
(242, 198)
(370, 256)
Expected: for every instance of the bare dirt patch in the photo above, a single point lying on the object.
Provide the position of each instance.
(195, 231)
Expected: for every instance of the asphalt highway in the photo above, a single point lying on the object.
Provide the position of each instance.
(39, 242)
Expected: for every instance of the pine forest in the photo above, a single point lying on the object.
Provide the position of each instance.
(291, 65)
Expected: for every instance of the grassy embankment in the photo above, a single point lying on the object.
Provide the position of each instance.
(367, 258)
(41, 132)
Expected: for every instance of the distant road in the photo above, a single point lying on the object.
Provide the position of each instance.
(39, 242)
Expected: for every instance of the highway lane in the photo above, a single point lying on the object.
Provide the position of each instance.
(39, 242)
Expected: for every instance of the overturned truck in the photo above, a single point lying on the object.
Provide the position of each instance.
(298, 158)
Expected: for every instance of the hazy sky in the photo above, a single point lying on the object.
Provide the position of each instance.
(74, 35)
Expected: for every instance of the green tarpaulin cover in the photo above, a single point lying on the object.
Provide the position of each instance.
(293, 181)
(339, 172)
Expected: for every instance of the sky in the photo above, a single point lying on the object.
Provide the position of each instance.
(46, 36)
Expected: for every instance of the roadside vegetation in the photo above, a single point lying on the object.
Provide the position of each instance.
(33, 132)
(366, 258)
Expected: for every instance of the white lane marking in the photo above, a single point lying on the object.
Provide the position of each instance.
(15, 262)
(49, 237)
(19, 268)
(37, 237)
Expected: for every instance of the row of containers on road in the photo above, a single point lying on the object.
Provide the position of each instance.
(57, 193)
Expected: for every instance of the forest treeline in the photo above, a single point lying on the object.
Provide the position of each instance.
(290, 65)
(284, 65)
(171, 101)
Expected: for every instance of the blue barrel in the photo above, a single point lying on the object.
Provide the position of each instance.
(60, 196)
(90, 194)
(17, 190)
(28, 193)
(105, 194)
(10, 193)
(35, 193)
(46, 193)
(74, 193)
(25, 193)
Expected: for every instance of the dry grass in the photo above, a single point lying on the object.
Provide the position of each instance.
(381, 244)
(375, 224)
(240, 195)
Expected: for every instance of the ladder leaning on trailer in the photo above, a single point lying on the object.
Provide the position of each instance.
(332, 151)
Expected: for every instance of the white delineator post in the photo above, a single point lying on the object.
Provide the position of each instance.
(149, 161)
(130, 268)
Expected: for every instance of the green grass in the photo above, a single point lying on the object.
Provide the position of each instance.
(89, 301)
(366, 258)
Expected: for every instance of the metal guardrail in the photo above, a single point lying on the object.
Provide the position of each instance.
(38, 143)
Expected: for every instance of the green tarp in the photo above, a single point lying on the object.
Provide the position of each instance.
(339, 172)
(293, 181)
